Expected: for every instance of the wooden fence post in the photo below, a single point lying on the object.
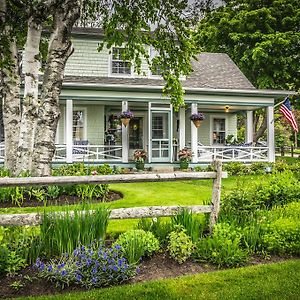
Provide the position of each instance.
(216, 195)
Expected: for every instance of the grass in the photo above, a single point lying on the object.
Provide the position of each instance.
(271, 281)
(192, 192)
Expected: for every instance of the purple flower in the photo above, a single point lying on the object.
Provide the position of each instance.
(94, 279)
(138, 270)
(115, 268)
(50, 268)
(78, 277)
(94, 270)
(63, 273)
(118, 247)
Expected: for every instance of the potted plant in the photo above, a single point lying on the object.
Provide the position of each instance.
(197, 118)
(125, 117)
(185, 156)
(139, 157)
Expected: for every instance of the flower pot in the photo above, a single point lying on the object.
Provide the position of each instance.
(140, 165)
(125, 121)
(197, 123)
(184, 164)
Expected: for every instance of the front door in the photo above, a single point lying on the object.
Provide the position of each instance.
(160, 146)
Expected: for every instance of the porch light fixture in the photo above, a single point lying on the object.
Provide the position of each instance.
(227, 108)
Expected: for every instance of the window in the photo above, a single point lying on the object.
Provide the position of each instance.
(157, 127)
(78, 125)
(219, 131)
(118, 64)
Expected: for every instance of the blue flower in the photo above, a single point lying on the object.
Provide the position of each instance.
(115, 268)
(94, 279)
(61, 265)
(118, 247)
(42, 266)
(120, 262)
(88, 261)
(104, 255)
(138, 270)
(63, 273)
(104, 269)
(78, 277)
(50, 268)
(94, 270)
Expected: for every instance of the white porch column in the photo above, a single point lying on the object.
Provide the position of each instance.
(181, 128)
(69, 131)
(125, 139)
(249, 127)
(194, 135)
(271, 138)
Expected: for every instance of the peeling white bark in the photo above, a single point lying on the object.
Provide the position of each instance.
(30, 101)
(11, 109)
(60, 48)
(10, 96)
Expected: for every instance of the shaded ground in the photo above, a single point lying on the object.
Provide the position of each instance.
(159, 266)
(62, 200)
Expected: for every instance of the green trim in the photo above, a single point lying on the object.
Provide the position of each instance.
(189, 91)
(148, 99)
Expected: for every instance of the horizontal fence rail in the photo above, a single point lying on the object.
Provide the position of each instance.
(121, 213)
(118, 213)
(106, 179)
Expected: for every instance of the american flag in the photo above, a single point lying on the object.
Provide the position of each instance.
(286, 110)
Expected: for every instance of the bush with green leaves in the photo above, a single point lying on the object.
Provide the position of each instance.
(137, 244)
(91, 266)
(275, 189)
(180, 246)
(160, 228)
(223, 248)
(16, 249)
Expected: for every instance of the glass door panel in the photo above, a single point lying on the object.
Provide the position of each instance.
(160, 136)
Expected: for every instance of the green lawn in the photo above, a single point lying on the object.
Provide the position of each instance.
(272, 281)
(194, 192)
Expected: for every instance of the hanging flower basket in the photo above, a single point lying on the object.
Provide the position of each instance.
(125, 121)
(125, 117)
(197, 123)
(197, 118)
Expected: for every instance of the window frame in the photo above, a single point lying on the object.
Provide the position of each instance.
(84, 110)
(111, 60)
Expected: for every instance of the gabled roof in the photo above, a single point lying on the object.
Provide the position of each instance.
(217, 71)
(211, 70)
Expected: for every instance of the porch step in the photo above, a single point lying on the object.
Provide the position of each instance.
(162, 169)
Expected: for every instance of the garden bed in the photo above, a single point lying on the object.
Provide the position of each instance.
(62, 200)
(159, 266)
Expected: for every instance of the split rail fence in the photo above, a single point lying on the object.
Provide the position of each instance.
(121, 213)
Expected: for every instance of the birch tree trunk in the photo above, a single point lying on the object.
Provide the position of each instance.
(11, 108)
(30, 100)
(60, 48)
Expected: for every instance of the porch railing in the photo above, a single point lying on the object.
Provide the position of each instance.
(93, 153)
(232, 153)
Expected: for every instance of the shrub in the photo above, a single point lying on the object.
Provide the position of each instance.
(92, 266)
(180, 245)
(282, 237)
(222, 248)
(276, 189)
(236, 168)
(137, 243)
(161, 229)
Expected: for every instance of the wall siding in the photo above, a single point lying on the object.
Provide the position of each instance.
(86, 60)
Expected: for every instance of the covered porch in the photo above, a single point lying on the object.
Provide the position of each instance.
(159, 130)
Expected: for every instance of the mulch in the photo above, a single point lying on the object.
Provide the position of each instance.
(157, 267)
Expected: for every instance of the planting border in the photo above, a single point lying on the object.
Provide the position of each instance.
(121, 213)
